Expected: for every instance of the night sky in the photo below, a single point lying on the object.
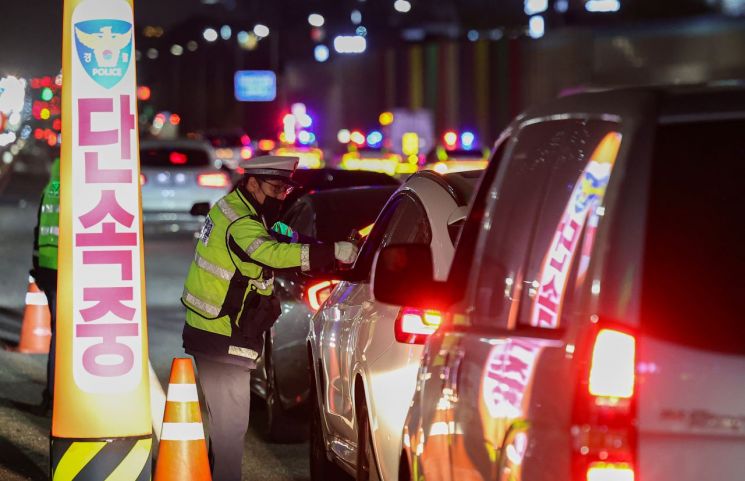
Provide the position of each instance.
(31, 30)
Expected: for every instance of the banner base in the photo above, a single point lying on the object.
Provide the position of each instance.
(95, 460)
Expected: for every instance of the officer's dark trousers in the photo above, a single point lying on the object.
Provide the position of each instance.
(227, 394)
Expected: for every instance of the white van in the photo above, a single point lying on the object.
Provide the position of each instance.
(594, 318)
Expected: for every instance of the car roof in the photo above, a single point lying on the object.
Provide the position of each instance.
(460, 185)
(670, 102)
(321, 178)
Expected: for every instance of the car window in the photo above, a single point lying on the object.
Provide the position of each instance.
(403, 221)
(174, 157)
(693, 291)
(567, 220)
(301, 218)
(520, 190)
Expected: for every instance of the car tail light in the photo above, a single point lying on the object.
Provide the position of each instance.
(217, 179)
(413, 326)
(143, 179)
(177, 158)
(604, 416)
(317, 293)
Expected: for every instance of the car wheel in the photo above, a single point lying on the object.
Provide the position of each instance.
(321, 469)
(367, 468)
(283, 426)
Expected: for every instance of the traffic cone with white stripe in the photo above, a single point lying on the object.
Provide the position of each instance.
(36, 330)
(182, 453)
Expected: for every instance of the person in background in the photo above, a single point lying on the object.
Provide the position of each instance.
(229, 298)
(44, 261)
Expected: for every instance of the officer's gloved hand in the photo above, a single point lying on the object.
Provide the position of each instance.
(345, 252)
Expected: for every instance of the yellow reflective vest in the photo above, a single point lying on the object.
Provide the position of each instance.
(47, 235)
(234, 256)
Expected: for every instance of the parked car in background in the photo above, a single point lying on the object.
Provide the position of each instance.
(231, 146)
(365, 353)
(281, 377)
(593, 320)
(176, 174)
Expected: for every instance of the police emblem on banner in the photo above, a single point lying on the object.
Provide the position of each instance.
(104, 48)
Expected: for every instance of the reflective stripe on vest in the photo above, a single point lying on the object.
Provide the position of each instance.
(226, 210)
(49, 230)
(193, 300)
(50, 209)
(213, 269)
(256, 244)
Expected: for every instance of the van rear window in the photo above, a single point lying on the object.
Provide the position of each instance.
(694, 262)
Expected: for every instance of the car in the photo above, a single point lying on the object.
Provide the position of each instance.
(592, 322)
(231, 146)
(313, 180)
(281, 377)
(365, 353)
(176, 174)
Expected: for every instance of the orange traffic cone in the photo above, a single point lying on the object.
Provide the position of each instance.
(182, 453)
(36, 331)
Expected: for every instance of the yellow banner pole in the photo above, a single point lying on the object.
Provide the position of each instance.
(101, 426)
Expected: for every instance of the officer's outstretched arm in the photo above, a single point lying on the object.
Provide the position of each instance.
(255, 241)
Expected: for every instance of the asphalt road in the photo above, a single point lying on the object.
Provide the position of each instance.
(24, 435)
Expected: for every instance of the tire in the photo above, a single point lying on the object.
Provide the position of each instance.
(282, 426)
(321, 469)
(367, 467)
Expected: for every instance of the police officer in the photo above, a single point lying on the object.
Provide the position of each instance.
(44, 270)
(229, 301)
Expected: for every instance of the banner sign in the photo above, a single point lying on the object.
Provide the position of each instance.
(101, 385)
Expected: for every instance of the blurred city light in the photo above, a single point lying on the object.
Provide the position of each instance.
(374, 138)
(46, 94)
(261, 30)
(466, 139)
(209, 34)
(450, 138)
(602, 6)
(226, 32)
(343, 136)
(536, 26)
(143, 92)
(532, 7)
(356, 17)
(473, 35)
(152, 53)
(316, 20)
(386, 118)
(402, 6)
(192, 46)
(357, 137)
(561, 6)
(321, 53)
(361, 31)
(177, 49)
(304, 137)
(350, 44)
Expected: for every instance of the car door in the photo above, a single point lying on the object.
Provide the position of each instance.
(337, 317)
(532, 229)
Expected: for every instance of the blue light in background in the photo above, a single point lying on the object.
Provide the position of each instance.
(374, 138)
(467, 139)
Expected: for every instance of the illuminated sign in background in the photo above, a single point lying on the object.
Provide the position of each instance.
(255, 85)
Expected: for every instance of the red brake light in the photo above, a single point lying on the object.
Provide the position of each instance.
(603, 427)
(177, 158)
(245, 140)
(216, 180)
(413, 326)
(451, 139)
(143, 179)
(317, 293)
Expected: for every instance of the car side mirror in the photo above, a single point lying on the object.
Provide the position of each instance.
(200, 209)
(403, 275)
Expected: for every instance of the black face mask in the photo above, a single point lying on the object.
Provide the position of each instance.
(270, 210)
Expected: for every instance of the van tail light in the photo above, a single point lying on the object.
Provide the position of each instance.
(413, 326)
(318, 292)
(143, 179)
(216, 180)
(604, 415)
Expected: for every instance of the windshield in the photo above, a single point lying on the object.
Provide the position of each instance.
(694, 263)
